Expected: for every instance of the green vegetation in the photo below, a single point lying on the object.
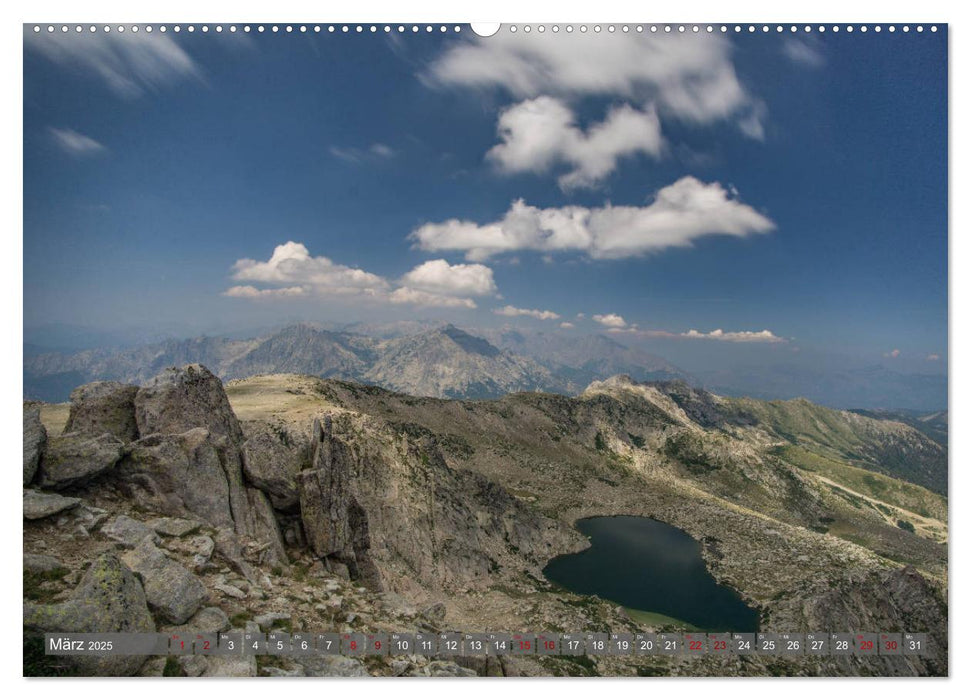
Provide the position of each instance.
(654, 619)
(599, 442)
(888, 447)
(799, 420)
(692, 452)
(172, 667)
(33, 588)
(239, 619)
(39, 664)
(299, 572)
(883, 488)
(905, 525)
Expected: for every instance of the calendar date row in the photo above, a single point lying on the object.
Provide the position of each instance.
(689, 644)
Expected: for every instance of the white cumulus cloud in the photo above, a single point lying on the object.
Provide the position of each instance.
(292, 271)
(540, 134)
(74, 143)
(248, 291)
(680, 213)
(691, 78)
(610, 320)
(532, 313)
(567, 325)
(439, 277)
(418, 297)
(763, 336)
(291, 264)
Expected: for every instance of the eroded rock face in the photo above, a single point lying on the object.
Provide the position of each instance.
(272, 458)
(189, 462)
(109, 598)
(262, 526)
(864, 601)
(104, 407)
(334, 521)
(35, 439)
(171, 591)
(388, 508)
(184, 398)
(181, 475)
(72, 459)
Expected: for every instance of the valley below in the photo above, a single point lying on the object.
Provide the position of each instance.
(286, 501)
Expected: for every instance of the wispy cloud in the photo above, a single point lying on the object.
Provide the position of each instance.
(376, 151)
(74, 143)
(893, 354)
(381, 150)
(680, 214)
(933, 357)
(128, 64)
(802, 52)
(532, 313)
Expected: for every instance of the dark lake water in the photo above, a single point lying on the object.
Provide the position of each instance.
(648, 565)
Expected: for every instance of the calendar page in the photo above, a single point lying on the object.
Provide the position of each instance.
(454, 350)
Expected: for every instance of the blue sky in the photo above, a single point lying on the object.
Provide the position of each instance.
(789, 191)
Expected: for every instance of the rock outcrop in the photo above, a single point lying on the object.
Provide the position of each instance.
(389, 509)
(104, 407)
(181, 475)
(184, 398)
(72, 459)
(38, 504)
(109, 598)
(128, 532)
(893, 599)
(42, 564)
(171, 591)
(35, 439)
(188, 461)
(272, 458)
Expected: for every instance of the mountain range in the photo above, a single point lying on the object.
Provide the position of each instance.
(443, 362)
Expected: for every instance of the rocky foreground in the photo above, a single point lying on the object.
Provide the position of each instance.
(299, 504)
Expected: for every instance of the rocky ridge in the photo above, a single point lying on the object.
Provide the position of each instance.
(205, 523)
(301, 504)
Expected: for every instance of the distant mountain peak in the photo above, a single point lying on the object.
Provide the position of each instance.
(470, 343)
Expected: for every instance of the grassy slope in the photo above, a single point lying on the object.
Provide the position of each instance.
(895, 492)
(888, 447)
